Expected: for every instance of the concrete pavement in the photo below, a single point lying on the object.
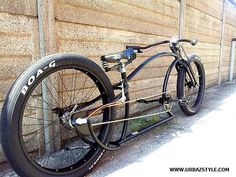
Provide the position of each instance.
(206, 140)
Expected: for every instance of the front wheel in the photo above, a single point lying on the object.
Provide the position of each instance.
(37, 137)
(190, 94)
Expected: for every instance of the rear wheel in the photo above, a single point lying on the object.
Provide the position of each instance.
(191, 95)
(37, 136)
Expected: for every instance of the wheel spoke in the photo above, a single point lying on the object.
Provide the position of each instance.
(85, 80)
(46, 131)
(40, 130)
(56, 90)
(63, 85)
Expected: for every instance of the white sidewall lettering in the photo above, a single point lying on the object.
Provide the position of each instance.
(52, 64)
(33, 77)
(31, 80)
(24, 90)
(40, 71)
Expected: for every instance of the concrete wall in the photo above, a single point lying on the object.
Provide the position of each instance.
(96, 27)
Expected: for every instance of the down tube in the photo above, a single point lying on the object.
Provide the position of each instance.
(162, 54)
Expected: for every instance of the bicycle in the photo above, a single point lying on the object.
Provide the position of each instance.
(54, 125)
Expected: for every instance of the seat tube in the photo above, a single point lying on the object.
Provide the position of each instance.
(122, 70)
(125, 83)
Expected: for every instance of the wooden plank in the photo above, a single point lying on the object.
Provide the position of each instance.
(230, 14)
(202, 26)
(24, 7)
(125, 10)
(19, 47)
(15, 25)
(230, 32)
(167, 8)
(210, 7)
(15, 45)
(14, 66)
(211, 83)
(81, 32)
(95, 17)
(5, 87)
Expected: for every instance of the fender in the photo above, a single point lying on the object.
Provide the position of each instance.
(164, 89)
(192, 56)
(189, 59)
(185, 64)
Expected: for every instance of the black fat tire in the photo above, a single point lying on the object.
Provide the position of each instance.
(191, 110)
(9, 120)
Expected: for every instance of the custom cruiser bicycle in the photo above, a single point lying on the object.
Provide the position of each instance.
(59, 115)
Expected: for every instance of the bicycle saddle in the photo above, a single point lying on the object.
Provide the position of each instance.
(128, 54)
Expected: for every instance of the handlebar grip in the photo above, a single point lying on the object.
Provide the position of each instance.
(194, 42)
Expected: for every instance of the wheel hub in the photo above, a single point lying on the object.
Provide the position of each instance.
(65, 114)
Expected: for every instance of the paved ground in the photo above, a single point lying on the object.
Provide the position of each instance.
(204, 140)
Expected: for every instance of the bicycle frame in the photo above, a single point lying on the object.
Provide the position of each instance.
(165, 83)
(178, 62)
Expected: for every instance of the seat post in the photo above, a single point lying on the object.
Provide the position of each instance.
(124, 81)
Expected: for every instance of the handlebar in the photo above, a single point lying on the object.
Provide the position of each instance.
(172, 41)
(130, 52)
(193, 42)
(148, 46)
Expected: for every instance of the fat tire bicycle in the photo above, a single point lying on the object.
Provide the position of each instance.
(59, 115)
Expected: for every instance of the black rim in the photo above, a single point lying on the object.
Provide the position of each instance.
(193, 93)
(47, 161)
